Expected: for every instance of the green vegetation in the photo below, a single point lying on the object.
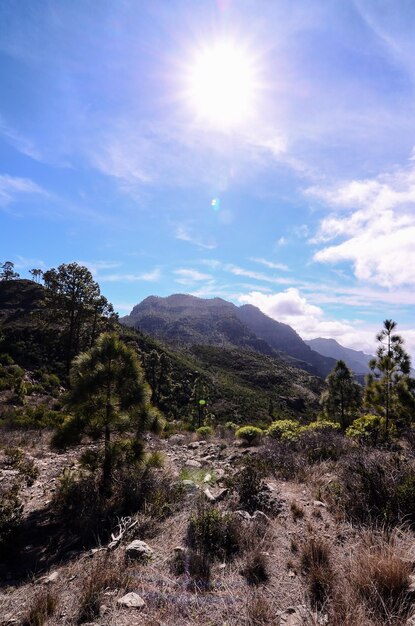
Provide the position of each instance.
(343, 397)
(250, 435)
(284, 429)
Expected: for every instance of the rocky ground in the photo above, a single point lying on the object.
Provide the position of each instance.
(140, 584)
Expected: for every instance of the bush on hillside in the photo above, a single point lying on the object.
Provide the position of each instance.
(284, 430)
(369, 429)
(250, 435)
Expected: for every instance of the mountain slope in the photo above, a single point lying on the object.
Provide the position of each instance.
(240, 384)
(186, 320)
(355, 359)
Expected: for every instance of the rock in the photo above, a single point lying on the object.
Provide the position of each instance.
(179, 550)
(47, 580)
(207, 478)
(319, 503)
(177, 439)
(189, 485)
(244, 514)
(260, 516)
(291, 617)
(132, 601)
(193, 463)
(139, 550)
(193, 445)
(215, 495)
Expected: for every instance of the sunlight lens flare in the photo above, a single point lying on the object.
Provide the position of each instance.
(222, 85)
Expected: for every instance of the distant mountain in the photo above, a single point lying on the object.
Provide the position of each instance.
(186, 320)
(355, 359)
(242, 383)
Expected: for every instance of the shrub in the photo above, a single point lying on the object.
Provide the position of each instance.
(155, 459)
(252, 492)
(376, 487)
(369, 429)
(198, 567)
(284, 430)
(320, 425)
(316, 565)
(322, 444)
(255, 569)
(231, 426)
(25, 466)
(250, 435)
(11, 510)
(212, 533)
(204, 431)
(42, 607)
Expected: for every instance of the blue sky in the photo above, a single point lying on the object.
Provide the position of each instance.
(106, 160)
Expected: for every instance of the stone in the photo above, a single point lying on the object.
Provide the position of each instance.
(193, 445)
(244, 514)
(260, 516)
(48, 580)
(207, 478)
(193, 463)
(291, 617)
(139, 550)
(132, 601)
(189, 485)
(319, 503)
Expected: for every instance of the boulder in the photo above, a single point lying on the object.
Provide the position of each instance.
(132, 601)
(139, 550)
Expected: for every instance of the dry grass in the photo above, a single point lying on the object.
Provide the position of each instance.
(315, 561)
(43, 606)
(106, 573)
(381, 577)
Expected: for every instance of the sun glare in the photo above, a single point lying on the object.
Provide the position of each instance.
(222, 85)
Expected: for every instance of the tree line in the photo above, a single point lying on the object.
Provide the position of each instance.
(389, 392)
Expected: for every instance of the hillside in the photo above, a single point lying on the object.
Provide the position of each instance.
(186, 320)
(241, 383)
(356, 360)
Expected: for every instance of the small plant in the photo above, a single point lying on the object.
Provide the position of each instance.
(284, 430)
(255, 569)
(155, 459)
(212, 533)
(252, 493)
(198, 568)
(105, 574)
(250, 435)
(321, 425)
(316, 565)
(11, 510)
(297, 511)
(204, 431)
(42, 607)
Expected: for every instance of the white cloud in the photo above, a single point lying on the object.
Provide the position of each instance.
(183, 234)
(13, 186)
(151, 276)
(292, 308)
(270, 264)
(375, 222)
(189, 276)
(96, 267)
(240, 271)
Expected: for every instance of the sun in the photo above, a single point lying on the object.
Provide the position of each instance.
(223, 85)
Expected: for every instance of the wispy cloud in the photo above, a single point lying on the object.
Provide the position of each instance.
(183, 234)
(12, 187)
(190, 276)
(240, 271)
(271, 264)
(151, 276)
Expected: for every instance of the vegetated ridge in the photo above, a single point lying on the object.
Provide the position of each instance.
(183, 319)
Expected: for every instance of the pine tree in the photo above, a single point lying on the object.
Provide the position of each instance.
(7, 271)
(343, 397)
(388, 386)
(109, 394)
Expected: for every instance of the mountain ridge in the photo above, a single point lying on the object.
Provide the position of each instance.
(189, 320)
